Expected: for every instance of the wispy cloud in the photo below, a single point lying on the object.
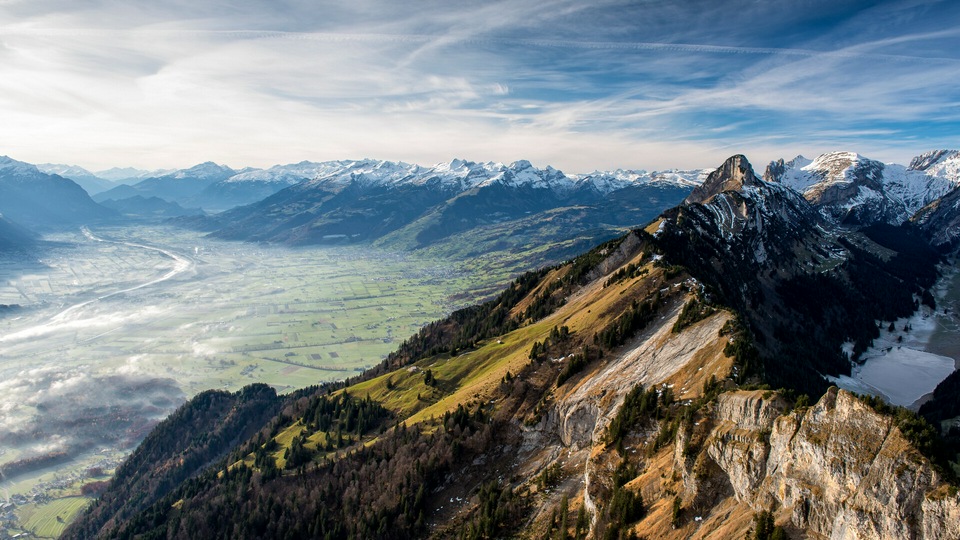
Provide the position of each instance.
(578, 85)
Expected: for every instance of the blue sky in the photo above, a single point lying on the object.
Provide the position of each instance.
(573, 84)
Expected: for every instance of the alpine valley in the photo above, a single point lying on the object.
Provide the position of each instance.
(681, 360)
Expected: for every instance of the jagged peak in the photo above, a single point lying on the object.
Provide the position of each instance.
(207, 169)
(735, 174)
(776, 169)
(455, 165)
(799, 161)
(7, 162)
(927, 160)
(836, 163)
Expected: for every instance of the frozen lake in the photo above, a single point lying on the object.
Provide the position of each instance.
(907, 363)
(901, 375)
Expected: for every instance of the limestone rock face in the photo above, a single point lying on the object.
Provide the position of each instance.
(739, 440)
(616, 258)
(735, 173)
(839, 470)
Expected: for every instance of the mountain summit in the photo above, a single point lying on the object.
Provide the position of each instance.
(39, 200)
(735, 173)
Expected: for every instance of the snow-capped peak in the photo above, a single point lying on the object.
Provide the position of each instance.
(798, 162)
(932, 159)
(66, 171)
(456, 166)
(845, 184)
(9, 164)
(204, 171)
(523, 173)
(940, 163)
(802, 175)
(839, 166)
(286, 174)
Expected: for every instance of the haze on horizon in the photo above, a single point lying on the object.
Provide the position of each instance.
(573, 84)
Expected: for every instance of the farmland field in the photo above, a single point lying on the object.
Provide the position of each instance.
(48, 520)
(116, 327)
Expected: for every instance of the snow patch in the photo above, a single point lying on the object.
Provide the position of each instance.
(902, 375)
(896, 367)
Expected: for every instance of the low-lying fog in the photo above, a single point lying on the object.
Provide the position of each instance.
(117, 327)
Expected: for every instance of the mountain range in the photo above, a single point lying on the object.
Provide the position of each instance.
(667, 383)
(38, 200)
(849, 188)
(412, 206)
(458, 209)
(96, 182)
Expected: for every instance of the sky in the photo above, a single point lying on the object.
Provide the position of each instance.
(577, 85)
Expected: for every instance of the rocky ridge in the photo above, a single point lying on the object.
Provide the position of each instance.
(940, 221)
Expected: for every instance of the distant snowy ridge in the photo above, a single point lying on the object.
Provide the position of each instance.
(8, 165)
(607, 182)
(458, 174)
(116, 174)
(66, 171)
(465, 175)
(287, 174)
(203, 171)
(846, 186)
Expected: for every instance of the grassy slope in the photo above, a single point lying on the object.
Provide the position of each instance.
(472, 377)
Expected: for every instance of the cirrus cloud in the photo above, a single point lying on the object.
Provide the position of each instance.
(572, 84)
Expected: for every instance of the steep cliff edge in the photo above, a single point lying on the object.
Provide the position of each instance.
(835, 470)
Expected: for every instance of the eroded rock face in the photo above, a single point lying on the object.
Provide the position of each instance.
(940, 221)
(618, 257)
(735, 173)
(739, 442)
(839, 470)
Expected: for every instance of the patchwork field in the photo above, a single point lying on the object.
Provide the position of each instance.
(116, 327)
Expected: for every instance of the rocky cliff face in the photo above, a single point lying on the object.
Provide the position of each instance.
(836, 470)
(940, 221)
(735, 173)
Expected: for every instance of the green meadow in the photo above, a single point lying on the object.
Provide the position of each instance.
(118, 327)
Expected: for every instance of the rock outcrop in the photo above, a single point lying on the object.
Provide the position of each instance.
(735, 173)
(837, 470)
(940, 221)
